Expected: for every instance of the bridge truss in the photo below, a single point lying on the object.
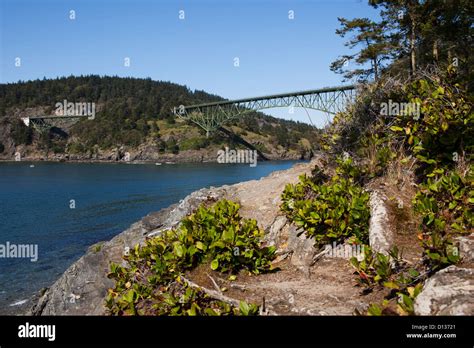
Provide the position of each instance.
(211, 116)
(45, 123)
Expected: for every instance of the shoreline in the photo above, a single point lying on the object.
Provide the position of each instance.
(86, 279)
(156, 162)
(18, 306)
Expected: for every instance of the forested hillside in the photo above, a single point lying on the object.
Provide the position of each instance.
(133, 115)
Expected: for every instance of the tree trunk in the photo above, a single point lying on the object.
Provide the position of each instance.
(373, 61)
(376, 70)
(435, 51)
(412, 46)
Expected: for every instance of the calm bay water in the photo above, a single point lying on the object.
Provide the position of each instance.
(35, 208)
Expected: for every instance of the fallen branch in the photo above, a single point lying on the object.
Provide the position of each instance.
(214, 283)
(233, 284)
(318, 256)
(213, 293)
(238, 286)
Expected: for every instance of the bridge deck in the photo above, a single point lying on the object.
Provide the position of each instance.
(282, 95)
(54, 116)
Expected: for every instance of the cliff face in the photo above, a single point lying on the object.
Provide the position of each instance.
(307, 282)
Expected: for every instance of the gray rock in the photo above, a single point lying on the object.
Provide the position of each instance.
(466, 247)
(448, 292)
(273, 234)
(302, 249)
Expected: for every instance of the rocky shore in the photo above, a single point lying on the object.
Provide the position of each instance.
(139, 155)
(307, 283)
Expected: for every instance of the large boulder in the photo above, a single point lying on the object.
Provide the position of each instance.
(448, 292)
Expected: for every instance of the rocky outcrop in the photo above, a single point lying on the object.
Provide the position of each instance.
(448, 292)
(465, 246)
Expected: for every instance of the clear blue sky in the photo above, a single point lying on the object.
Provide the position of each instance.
(276, 54)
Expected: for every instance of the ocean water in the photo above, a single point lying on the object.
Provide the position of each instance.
(63, 208)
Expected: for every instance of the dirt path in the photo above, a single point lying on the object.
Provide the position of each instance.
(324, 288)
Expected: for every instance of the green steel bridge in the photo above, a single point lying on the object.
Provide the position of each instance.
(45, 122)
(211, 116)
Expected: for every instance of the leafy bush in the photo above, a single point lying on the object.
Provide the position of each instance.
(329, 210)
(374, 268)
(439, 137)
(446, 206)
(217, 235)
(447, 199)
(405, 302)
(232, 243)
(444, 127)
(391, 272)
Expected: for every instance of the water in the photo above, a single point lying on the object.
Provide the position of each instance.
(36, 201)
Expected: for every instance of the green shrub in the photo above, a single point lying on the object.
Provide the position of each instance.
(445, 202)
(374, 268)
(439, 137)
(392, 272)
(405, 302)
(194, 143)
(444, 128)
(329, 210)
(217, 236)
(76, 148)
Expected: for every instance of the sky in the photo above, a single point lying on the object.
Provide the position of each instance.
(234, 49)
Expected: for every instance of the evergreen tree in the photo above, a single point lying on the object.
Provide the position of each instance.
(373, 48)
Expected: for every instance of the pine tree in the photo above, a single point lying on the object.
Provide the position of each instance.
(374, 48)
